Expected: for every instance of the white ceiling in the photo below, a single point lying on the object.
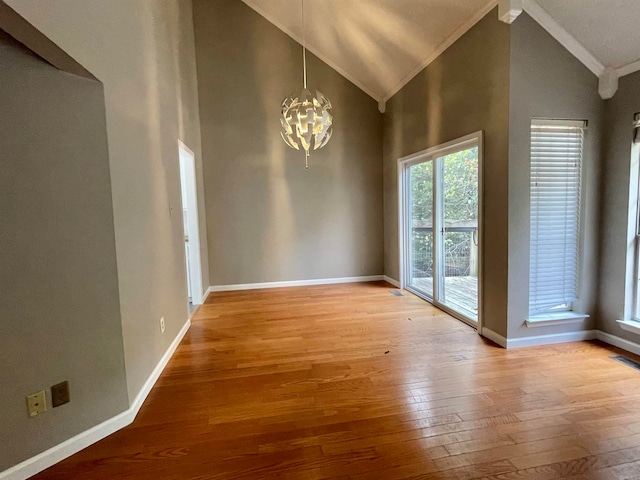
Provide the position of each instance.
(377, 44)
(381, 44)
(609, 29)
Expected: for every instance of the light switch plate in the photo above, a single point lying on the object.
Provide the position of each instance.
(36, 403)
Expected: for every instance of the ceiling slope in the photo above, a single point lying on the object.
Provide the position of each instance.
(379, 45)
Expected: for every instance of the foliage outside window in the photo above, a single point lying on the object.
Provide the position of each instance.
(460, 200)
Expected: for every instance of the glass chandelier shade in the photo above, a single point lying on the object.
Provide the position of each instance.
(306, 120)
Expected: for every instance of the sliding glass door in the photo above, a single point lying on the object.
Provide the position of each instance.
(421, 234)
(459, 259)
(441, 235)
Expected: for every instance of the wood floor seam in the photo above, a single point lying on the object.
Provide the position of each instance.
(335, 382)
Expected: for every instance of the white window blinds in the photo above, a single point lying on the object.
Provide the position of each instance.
(556, 164)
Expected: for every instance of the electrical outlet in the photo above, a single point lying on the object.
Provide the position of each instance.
(37, 403)
(162, 324)
(60, 394)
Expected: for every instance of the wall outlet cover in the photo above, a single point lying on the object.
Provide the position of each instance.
(162, 324)
(60, 394)
(37, 403)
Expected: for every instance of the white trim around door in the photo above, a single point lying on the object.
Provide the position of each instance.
(404, 208)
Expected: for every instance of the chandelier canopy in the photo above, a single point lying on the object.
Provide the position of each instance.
(306, 118)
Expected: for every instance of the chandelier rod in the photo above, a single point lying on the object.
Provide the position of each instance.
(304, 70)
(304, 48)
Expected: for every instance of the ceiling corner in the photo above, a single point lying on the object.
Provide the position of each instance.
(568, 41)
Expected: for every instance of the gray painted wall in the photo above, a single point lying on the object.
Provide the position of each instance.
(464, 90)
(269, 219)
(59, 308)
(143, 53)
(616, 274)
(548, 82)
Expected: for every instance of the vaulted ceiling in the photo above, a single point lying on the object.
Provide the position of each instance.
(381, 44)
(377, 44)
(609, 29)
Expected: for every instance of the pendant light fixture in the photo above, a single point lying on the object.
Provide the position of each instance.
(306, 117)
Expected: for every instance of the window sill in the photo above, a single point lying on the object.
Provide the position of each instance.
(558, 318)
(630, 326)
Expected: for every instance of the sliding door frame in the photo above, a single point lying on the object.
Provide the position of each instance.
(404, 209)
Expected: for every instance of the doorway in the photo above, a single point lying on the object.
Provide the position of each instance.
(440, 226)
(191, 227)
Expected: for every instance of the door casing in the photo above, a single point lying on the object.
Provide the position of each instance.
(430, 154)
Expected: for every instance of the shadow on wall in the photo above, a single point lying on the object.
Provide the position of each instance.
(59, 307)
(268, 218)
(465, 90)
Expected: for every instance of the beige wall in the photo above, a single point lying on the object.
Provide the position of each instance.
(464, 90)
(269, 219)
(616, 280)
(143, 53)
(59, 308)
(548, 82)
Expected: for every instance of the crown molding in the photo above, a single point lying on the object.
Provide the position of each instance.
(509, 10)
(608, 83)
(446, 43)
(567, 40)
(310, 48)
(628, 69)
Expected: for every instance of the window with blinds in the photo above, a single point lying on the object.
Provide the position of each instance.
(636, 152)
(556, 166)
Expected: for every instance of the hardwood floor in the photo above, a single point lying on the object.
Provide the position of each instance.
(351, 382)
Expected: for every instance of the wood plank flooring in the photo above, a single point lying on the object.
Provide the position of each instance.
(351, 382)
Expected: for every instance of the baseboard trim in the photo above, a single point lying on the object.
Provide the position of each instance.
(206, 295)
(539, 340)
(155, 374)
(619, 342)
(390, 280)
(73, 445)
(50, 457)
(46, 459)
(293, 283)
(494, 337)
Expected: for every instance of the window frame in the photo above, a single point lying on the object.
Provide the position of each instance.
(565, 311)
(635, 162)
(630, 320)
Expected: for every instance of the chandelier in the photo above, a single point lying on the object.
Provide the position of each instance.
(306, 117)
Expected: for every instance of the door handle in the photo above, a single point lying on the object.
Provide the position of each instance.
(474, 237)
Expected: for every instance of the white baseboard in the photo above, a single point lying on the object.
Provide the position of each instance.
(153, 378)
(293, 283)
(551, 339)
(494, 337)
(50, 457)
(390, 280)
(73, 445)
(622, 343)
(538, 340)
(206, 295)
